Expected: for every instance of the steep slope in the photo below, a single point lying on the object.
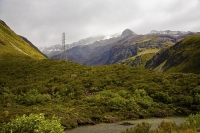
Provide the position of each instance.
(12, 44)
(32, 45)
(184, 56)
(140, 59)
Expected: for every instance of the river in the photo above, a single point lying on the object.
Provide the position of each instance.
(116, 127)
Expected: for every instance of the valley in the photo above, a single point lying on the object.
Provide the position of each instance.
(107, 88)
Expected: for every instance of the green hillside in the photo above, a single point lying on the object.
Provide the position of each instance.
(184, 56)
(141, 58)
(13, 45)
(146, 47)
(82, 95)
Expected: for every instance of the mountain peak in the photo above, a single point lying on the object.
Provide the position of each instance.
(128, 32)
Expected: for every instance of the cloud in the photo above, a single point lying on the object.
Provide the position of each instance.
(43, 22)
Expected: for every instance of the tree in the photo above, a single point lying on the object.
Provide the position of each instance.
(32, 124)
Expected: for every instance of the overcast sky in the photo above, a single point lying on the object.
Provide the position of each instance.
(44, 21)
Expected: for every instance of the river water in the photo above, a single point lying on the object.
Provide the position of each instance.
(116, 127)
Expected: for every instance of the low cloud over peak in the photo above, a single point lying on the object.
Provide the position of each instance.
(43, 22)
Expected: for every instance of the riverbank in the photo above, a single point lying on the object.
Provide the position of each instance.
(116, 127)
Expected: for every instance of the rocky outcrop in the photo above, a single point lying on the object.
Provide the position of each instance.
(126, 123)
(85, 122)
(110, 119)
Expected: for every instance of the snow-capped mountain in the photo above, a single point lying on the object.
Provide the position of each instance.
(56, 49)
(169, 32)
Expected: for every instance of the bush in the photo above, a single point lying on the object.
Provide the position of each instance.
(166, 127)
(117, 103)
(34, 97)
(144, 127)
(190, 125)
(192, 121)
(32, 124)
(162, 97)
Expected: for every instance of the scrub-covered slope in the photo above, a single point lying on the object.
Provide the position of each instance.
(184, 56)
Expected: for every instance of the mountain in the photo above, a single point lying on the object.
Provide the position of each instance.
(169, 32)
(56, 49)
(93, 54)
(129, 48)
(12, 45)
(184, 56)
(128, 32)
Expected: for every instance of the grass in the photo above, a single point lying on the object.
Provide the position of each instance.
(11, 43)
(141, 58)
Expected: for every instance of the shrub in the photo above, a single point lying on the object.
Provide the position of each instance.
(34, 97)
(192, 121)
(32, 124)
(117, 103)
(166, 127)
(144, 127)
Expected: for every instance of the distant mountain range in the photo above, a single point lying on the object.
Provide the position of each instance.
(168, 51)
(56, 49)
(127, 48)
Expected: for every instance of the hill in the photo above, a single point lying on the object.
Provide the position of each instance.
(13, 45)
(184, 56)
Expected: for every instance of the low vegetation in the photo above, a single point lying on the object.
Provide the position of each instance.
(81, 95)
(32, 124)
(190, 125)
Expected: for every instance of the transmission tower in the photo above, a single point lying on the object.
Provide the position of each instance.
(63, 55)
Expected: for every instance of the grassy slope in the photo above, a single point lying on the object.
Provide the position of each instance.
(182, 57)
(146, 49)
(141, 58)
(187, 57)
(12, 44)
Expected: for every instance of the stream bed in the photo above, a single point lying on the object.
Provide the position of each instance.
(116, 127)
